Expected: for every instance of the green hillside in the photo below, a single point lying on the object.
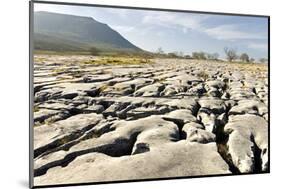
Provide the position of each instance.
(61, 32)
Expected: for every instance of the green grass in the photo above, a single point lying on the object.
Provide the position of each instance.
(48, 121)
(118, 61)
(49, 52)
(36, 109)
(103, 88)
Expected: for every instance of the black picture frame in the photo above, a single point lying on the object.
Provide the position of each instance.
(31, 91)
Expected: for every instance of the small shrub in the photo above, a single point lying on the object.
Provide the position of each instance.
(103, 88)
(94, 51)
(245, 57)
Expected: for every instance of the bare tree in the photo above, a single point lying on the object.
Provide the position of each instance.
(245, 57)
(215, 56)
(212, 56)
(172, 55)
(160, 51)
(264, 60)
(199, 55)
(209, 56)
(180, 53)
(187, 56)
(230, 53)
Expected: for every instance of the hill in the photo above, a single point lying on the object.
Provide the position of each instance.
(62, 32)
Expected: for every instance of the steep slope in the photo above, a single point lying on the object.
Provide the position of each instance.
(55, 31)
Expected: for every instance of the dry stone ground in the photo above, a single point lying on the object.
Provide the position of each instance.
(170, 118)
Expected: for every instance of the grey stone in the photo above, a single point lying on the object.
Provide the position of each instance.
(180, 116)
(246, 131)
(150, 90)
(172, 159)
(167, 118)
(209, 120)
(145, 111)
(193, 133)
(215, 106)
(52, 135)
(249, 107)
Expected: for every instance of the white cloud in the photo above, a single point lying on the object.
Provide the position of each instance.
(258, 46)
(231, 32)
(143, 23)
(122, 13)
(172, 20)
(125, 29)
(186, 22)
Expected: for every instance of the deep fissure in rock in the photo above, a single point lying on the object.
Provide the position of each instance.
(61, 141)
(180, 124)
(121, 147)
(257, 157)
(221, 141)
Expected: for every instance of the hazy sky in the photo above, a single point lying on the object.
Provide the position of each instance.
(186, 32)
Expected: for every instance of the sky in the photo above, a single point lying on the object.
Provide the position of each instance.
(177, 31)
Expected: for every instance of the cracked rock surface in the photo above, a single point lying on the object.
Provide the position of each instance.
(170, 118)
